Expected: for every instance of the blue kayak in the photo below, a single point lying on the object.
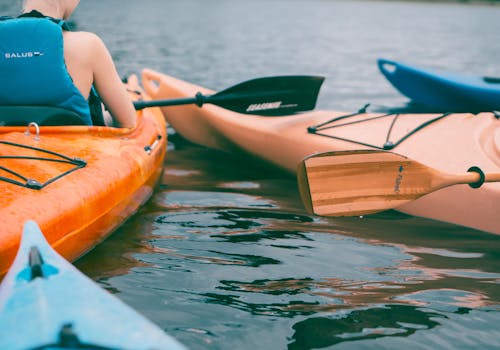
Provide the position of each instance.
(444, 91)
(46, 303)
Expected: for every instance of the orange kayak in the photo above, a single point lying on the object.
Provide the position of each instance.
(79, 183)
(451, 143)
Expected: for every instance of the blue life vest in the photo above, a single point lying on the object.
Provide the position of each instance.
(32, 67)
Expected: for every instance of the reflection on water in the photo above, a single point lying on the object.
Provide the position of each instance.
(390, 320)
(176, 199)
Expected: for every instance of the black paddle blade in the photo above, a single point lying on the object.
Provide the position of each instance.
(270, 96)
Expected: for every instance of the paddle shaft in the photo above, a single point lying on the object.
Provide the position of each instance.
(472, 177)
(199, 100)
(492, 177)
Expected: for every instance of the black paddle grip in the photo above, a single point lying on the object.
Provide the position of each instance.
(482, 177)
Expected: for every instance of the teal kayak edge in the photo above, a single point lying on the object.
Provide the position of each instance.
(52, 300)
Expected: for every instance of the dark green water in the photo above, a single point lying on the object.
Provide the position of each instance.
(224, 256)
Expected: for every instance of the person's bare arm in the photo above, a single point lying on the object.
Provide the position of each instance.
(110, 87)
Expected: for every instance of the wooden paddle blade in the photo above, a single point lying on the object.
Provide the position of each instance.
(353, 183)
(270, 96)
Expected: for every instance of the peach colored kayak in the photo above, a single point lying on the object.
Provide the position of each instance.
(449, 143)
(95, 177)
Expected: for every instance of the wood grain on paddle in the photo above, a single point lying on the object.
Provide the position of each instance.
(353, 183)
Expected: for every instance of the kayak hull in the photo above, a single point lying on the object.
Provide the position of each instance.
(444, 91)
(82, 207)
(451, 144)
(34, 310)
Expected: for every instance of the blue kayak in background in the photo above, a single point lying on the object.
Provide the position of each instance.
(46, 303)
(444, 91)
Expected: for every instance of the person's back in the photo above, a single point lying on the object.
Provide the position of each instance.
(84, 57)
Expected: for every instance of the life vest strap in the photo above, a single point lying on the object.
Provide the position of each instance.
(42, 115)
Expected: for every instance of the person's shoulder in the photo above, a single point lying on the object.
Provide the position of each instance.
(90, 42)
(84, 37)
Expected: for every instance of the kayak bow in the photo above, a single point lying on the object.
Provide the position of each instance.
(444, 91)
(46, 303)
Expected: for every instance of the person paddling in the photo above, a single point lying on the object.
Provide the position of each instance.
(42, 63)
